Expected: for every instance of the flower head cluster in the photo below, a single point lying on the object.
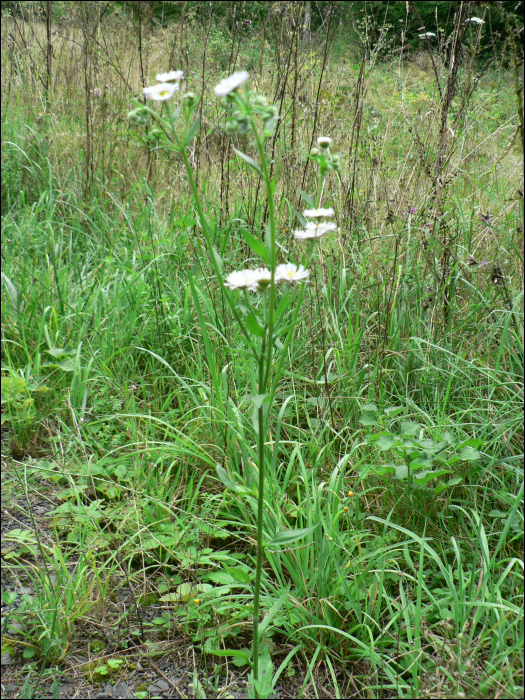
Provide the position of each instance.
(426, 35)
(323, 157)
(475, 20)
(172, 77)
(166, 88)
(229, 85)
(318, 227)
(324, 142)
(160, 92)
(257, 280)
(139, 116)
(291, 273)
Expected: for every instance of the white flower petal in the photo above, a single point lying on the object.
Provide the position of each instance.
(170, 77)
(291, 273)
(324, 141)
(314, 230)
(160, 92)
(318, 213)
(228, 85)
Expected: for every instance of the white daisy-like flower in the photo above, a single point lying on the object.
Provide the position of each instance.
(262, 277)
(160, 92)
(314, 230)
(426, 35)
(170, 77)
(318, 213)
(229, 85)
(291, 273)
(476, 20)
(243, 279)
(324, 141)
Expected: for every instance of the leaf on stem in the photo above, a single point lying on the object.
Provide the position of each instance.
(249, 161)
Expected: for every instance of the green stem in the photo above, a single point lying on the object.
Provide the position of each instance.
(260, 513)
(271, 253)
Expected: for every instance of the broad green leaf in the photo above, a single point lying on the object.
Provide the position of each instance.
(263, 685)
(369, 407)
(468, 454)
(185, 592)
(254, 326)
(385, 442)
(408, 427)
(393, 411)
(221, 577)
(239, 574)
(249, 161)
(256, 245)
(472, 442)
(401, 472)
(289, 536)
(420, 462)
(369, 419)
(442, 486)
(260, 399)
(425, 476)
(426, 443)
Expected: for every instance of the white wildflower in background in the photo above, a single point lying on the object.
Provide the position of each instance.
(242, 279)
(476, 20)
(426, 35)
(324, 141)
(318, 213)
(291, 273)
(229, 85)
(314, 230)
(170, 77)
(160, 92)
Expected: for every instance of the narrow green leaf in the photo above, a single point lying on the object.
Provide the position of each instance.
(256, 245)
(249, 161)
(192, 132)
(289, 536)
(307, 198)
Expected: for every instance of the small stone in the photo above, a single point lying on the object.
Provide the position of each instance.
(121, 690)
(6, 659)
(162, 685)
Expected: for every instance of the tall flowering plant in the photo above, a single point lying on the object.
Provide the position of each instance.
(266, 292)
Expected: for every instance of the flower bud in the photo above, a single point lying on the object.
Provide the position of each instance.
(314, 152)
(260, 101)
(190, 99)
(324, 142)
(230, 128)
